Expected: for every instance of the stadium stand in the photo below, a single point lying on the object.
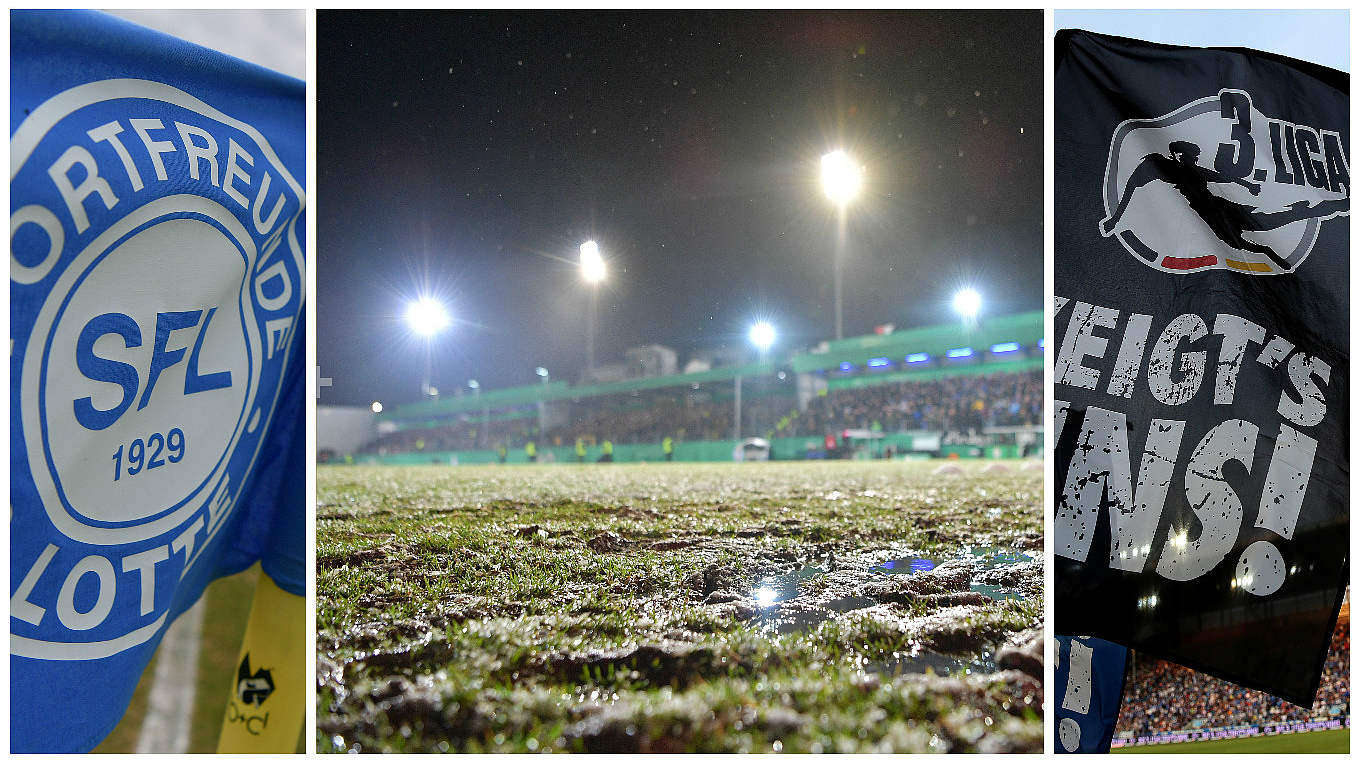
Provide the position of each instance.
(957, 404)
(1168, 703)
(953, 389)
(960, 405)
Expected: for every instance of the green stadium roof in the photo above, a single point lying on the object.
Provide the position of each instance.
(1026, 328)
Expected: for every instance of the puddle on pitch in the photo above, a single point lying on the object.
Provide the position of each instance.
(779, 609)
(781, 588)
(991, 559)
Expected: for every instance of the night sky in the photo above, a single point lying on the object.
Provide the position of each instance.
(470, 154)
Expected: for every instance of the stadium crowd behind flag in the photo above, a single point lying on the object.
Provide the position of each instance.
(1201, 379)
(157, 387)
(1089, 686)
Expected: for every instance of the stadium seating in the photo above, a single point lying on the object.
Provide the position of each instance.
(1160, 698)
(956, 404)
(961, 405)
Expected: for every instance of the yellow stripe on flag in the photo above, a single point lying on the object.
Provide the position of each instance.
(1247, 266)
(267, 707)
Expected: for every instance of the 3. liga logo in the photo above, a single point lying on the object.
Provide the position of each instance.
(1216, 184)
(154, 246)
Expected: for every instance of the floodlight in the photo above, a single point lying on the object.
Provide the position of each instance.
(427, 317)
(841, 177)
(541, 371)
(592, 264)
(967, 303)
(376, 407)
(474, 385)
(762, 335)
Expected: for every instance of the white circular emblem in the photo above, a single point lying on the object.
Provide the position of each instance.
(1217, 184)
(176, 289)
(157, 282)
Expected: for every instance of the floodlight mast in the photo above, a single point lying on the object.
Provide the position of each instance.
(427, 317)
(542, 373)
(762, 336)
(593, 272)
(968, 303)
(592, 263)
(842, 179)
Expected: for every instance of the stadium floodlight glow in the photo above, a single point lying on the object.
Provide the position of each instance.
(592, 263)
(847, 367)
(1041, 344)
(593, 272)
(1005, 348)
(877, 362)
(541, 371)
(376, 407)
(842, 178)
(427, 317)
(968, 303)
(841, 181)
(762, 335)
(959, 353)
(474, 385)
(917, 358)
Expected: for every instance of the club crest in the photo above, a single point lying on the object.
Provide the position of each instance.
(156, 278)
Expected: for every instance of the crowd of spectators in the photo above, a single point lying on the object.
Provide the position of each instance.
(1161, 697)
(681, 419)
(956, 404)
(649, 424)
(959, 405)
(462, 435)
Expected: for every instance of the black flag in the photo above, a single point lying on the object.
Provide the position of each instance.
(1202, 201)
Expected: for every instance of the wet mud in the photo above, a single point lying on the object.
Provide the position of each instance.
(633, 624)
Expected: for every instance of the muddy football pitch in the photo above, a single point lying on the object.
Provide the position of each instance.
(785, 606)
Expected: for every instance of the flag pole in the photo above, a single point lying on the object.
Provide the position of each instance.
(266, 709)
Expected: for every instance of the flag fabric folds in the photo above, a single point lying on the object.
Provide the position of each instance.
(157, 279)
(1202, 201)
(1089, 686)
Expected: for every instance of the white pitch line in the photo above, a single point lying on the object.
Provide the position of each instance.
(170, 707)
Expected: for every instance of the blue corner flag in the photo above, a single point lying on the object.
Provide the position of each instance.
(157, 344)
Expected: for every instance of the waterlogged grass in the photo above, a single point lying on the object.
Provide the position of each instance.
(616, 607)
